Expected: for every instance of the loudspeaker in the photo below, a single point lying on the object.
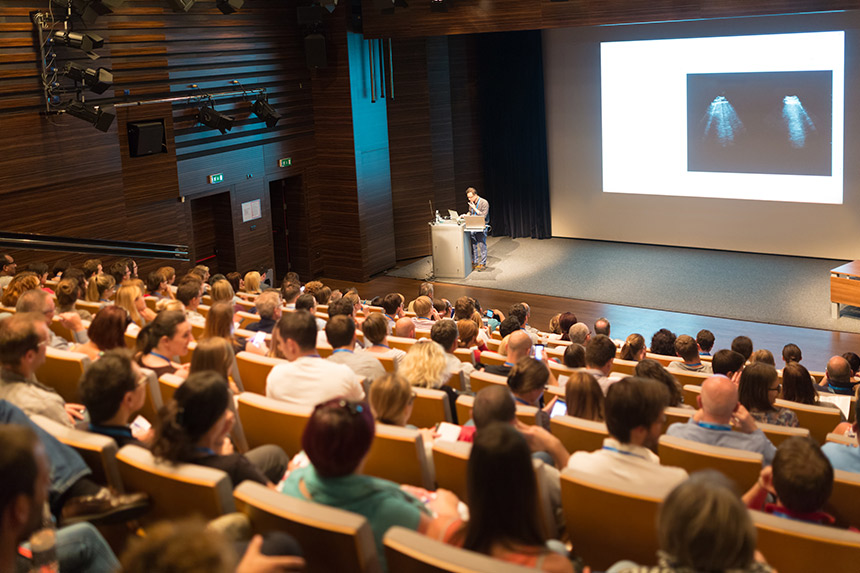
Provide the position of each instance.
(315, 55)
(146, 138)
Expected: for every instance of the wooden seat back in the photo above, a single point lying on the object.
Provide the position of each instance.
(479, 380)
(578, 434)
(397, 454)
(450, 460)
(741, 466)
(62, 371)
(819, 420)
(254, 369)
(269, 421)
(429, 408)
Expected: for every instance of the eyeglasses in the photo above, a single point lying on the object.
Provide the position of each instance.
(412, 398)
(141, 380)
(777, 389)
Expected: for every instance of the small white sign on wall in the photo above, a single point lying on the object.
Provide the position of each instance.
(251, 210)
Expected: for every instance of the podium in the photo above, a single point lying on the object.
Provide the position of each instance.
(452, 249)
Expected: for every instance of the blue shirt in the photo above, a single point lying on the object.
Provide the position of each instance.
(755, 442)
(842, 457)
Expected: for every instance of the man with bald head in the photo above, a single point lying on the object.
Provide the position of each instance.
(519, 346)
(404, 328)
(719, 411)
(837, 377)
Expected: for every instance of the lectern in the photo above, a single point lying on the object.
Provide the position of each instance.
(452, 249)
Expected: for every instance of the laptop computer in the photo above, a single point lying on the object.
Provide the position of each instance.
(452, 214)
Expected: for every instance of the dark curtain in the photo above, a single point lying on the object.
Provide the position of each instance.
(513, 133)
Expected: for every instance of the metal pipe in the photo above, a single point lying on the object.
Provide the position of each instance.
(391, 66)
(372, 81)
(382, 68)
(259, 91)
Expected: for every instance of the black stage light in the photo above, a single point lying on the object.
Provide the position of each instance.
(90, 10)
(86, 42)
(264, 111)
(181, 5)
(210, 117)
(329, 5)
(439, 5)
(98, 116)
(229, 6)
(98, 80)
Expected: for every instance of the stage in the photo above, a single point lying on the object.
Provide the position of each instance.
(774, 289)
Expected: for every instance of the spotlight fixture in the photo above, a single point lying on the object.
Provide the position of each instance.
(98, 116)
(329, 5)
(229, 6)
(90, 10)
(181, 5)
(86, 42)
(266, 112)
(439, 5)
(210, 117)
(98, 80)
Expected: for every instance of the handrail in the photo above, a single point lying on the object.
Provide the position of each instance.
(134, 249)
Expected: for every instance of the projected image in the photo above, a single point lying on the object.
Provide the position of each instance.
(760, 122)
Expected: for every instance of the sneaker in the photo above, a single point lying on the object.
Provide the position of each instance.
(105, 507)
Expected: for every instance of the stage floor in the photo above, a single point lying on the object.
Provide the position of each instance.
(774, 289)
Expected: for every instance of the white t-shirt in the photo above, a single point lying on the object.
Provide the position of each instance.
(311, 380)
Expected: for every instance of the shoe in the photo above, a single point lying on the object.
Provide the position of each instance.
(481, 267)
(105, 507)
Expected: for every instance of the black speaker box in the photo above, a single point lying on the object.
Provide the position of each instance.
(146, 138)
(315, 55)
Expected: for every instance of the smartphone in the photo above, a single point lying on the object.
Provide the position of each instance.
(559, 408)
(489, 314)
(259, 339)
(140, 423)
(539, 351)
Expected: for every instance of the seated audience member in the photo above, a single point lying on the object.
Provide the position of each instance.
(190, 293)
(522, 312)
(170, 274)
(743, 345)
(844, 457)
(467, 337)
(106, 332)
(464, 308)
(194, 428)
(309, 303)
(854, 362)
(391, 400)
(504, 507)
(23, 339)
(425, 313)
(129, 298)
(633, 348)
(424, 289)
(101, 288)
(312, 288)
(426, 366)
(289, 293)
(703, 526)
(602, 326)
(519, 347)
(553, 328)
(222, 291)
(156, 285)
(21, 283)
(392, 304)
(307, 379)
(634, 417)
(340, 332)
(236, 281)
(120, 271)
(40, 302)
(688, 349)
(447, 335)
(584, 397)
(705, 341)
(579, 334)
(216, 353)
(91, 268)
(837, 378)
(337, 439)
(41, 272)
(565, 321)
(26, 478)
(68, 292)
(404, 328)
(764, 356)
(649, 368)
(268, 307)
(574, 356)
(511, 325)
(663, 342)
(375, 328)
(528, 380)
(161, 342)
(798, 385)
(7, 272)
(728, 363)
(114, 389)
(801, 477)
(59, 268)
(599, 356)
(251, 284)
(720, 410)
(791, 353)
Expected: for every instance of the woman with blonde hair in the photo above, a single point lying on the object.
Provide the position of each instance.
(252, 282)
(130, 298)
(20, 283)
(216, 353)
(101, 288)
(170, 276)
(391, 398)
(634, 348)
(426, 366)
(584, 397)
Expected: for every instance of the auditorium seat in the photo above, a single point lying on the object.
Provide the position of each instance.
(792, 546)
(844, 503)
(62, 371)
(152, 302)
(741, 466)
(662, 359)
(841, 439)
(386, 361)
(429, 408)
(253, 369)
(331, 539)
(464, 355)
(819, 420)
(677, 415)
(624, 366)
(407, 550)
(167, 385)
(608, 519)
(368, 310)
(578, 434)
(464, 408)
(558, 370)
(248, 304)
(324, 349)
(64, 332)
(778, 434)
(91, 307)
(493, 358)
(449, 461)
(203, 310)
(526, 414)
(493, 344)
(397, 454)
(176, 490)
(691, 392)
(98, 451)
(558, 344)
(479, 380)
(401, 343)
(691, 378)
(268, 421)
(152, 403)
(192, 346)
(246, 318)
(421, 333)
(197, 330)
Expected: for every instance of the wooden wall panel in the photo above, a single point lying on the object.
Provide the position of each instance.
(253, 239)
(468, 155)
(441, 128)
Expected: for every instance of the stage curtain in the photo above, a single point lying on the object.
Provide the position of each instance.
(513, 133)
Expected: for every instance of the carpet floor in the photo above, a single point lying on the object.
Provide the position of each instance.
(793, 291)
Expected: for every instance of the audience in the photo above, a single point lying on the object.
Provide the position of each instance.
(426, 366)
(798, 385)
(375, 328)
(106, 332)
(447, 335)
(688, 350)
(425, 313)
(340, 332)
(599, 355)
(729, 363)
(268, 306)
(743, 346)
(39, 302)
(216, 353)
(584, 397)
(162, 342)
(130, 298)
(758, 390)
(705, 341)
(663, 342)
(791, 353)
(652, 369)
(837, 378)
(68, 292)
(527, 380)
(633, 348)
(574, 356)
(844, 457)
(101, 288)
(519, 347)
(764, 356)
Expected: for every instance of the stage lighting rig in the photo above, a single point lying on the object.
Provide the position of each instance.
(210, 117)
(98, 116)
(86, 42)
(266, 112)
(181, 5)
(229, 6)
(98, 80)
(89, 10)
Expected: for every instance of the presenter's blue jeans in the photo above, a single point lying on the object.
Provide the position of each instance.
(479, 248)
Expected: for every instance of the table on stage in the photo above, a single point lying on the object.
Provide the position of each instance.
(844, 287)
(452, 249)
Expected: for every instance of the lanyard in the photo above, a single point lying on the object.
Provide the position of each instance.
(342, 350)
(163, 357)
(617, 451)
(206, 451)
(718, 427)
(383, 346)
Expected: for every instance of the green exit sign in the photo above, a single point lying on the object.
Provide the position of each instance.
(285, 162)
(216, 178)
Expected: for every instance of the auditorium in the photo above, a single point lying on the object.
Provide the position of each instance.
(429, 285)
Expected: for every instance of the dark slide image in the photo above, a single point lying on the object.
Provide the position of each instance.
(760, 122)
